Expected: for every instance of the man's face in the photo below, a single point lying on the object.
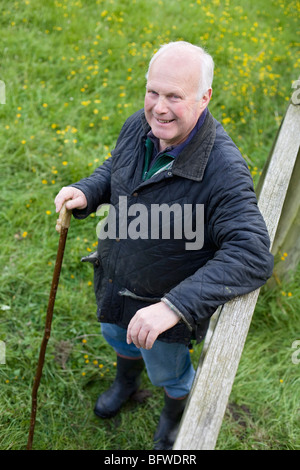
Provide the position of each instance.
(171, 106)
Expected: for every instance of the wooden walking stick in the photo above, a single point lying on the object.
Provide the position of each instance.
(62, 226)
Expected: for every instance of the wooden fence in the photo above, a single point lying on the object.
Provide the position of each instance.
(278, 199)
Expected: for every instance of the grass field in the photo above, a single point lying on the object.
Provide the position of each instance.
(73, 71)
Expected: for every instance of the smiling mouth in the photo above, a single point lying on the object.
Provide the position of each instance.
(162, 121)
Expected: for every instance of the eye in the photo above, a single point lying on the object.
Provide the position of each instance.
(175, 97)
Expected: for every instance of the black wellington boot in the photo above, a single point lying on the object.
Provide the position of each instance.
(169, 421)
(126, 383)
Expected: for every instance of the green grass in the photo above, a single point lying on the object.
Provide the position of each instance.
(74, 70)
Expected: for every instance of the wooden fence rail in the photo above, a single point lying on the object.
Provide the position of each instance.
(229, 327)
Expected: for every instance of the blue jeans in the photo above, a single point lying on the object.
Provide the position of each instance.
(168, 364)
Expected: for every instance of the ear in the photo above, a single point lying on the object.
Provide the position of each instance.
(206, 98)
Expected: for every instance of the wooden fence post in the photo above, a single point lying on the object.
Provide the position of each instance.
(287, 240)
(223, 348)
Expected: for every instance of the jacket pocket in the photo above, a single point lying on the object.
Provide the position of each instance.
(127, 293)
(91, 258)
(94, 259)
(131, 303)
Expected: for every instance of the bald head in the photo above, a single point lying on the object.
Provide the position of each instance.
(187, 56)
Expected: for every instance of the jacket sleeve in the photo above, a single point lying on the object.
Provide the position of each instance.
(96, 188)
(242, 261)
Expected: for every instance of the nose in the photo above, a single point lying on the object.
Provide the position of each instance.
(161, 105)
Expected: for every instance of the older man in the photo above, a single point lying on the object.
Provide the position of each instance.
(156, 293)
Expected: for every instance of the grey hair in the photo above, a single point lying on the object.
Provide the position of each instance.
(207, 63)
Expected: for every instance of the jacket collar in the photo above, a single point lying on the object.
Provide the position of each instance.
(192, 161)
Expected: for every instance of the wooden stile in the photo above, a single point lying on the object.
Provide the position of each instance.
(229, 326)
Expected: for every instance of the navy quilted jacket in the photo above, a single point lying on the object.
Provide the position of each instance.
(133, 273)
